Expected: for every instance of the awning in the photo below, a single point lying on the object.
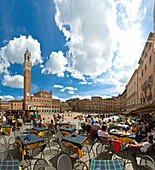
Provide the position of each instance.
(145, 110)
(127, 112)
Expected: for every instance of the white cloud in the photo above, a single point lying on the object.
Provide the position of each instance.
(61, 99)
(90, 38)
(81, 97)
(70, 89)
(13, 81)
(19, 97)
(71, 92)
(102, 35)
(85, 82)
(118, 80)
(58, 86)
(14, 51)
(6, 97)
(56, 64)
(5, 41)
(130, 40)
(62, 90)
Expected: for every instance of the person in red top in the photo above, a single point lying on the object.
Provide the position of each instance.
(39, 117)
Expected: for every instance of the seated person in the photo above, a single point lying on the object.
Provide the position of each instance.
(44, 122)
(40, 124)
(103, 132)
(133, 129)
(19, 121)
(50, 125)
(143, 146)
(83, 125)
(95, 127)
(142, 134)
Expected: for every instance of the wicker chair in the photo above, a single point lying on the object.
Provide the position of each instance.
(17, 133)
(146, 162)
(73, 126)
(3, 151)
(64, 162)
(40, 164)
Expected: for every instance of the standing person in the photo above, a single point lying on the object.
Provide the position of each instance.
(89, 122)
(4, 119)
(93, 121)
(55, 116)
(19, 121)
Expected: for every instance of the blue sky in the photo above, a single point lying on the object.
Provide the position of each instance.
(78, 48)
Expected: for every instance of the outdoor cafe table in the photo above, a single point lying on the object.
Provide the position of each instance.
(123, 138)
(106, 165)
(63, 125)
(75, 140)
(10, 164)
(6, 127)
(28, 142)
(39, 130)
(67, 130)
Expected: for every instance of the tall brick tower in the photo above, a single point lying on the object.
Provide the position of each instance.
(27, 65)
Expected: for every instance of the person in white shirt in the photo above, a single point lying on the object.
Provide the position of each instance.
(103, 131)
(143, 146)
(4, 119)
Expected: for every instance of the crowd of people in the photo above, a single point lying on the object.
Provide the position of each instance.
(144, 131)
(17, 120)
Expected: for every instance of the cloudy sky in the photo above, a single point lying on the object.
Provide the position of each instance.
(79, 48)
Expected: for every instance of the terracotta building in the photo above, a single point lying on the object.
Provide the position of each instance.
(16, 104)
(147, 72)
(123, 101)
(109, 105)
(95, 104)
(117, 104)
(27, 65)
(132, 92)
(74, 103)
(64, 107)
(55, 105)
(5, 105)
(41, 100)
